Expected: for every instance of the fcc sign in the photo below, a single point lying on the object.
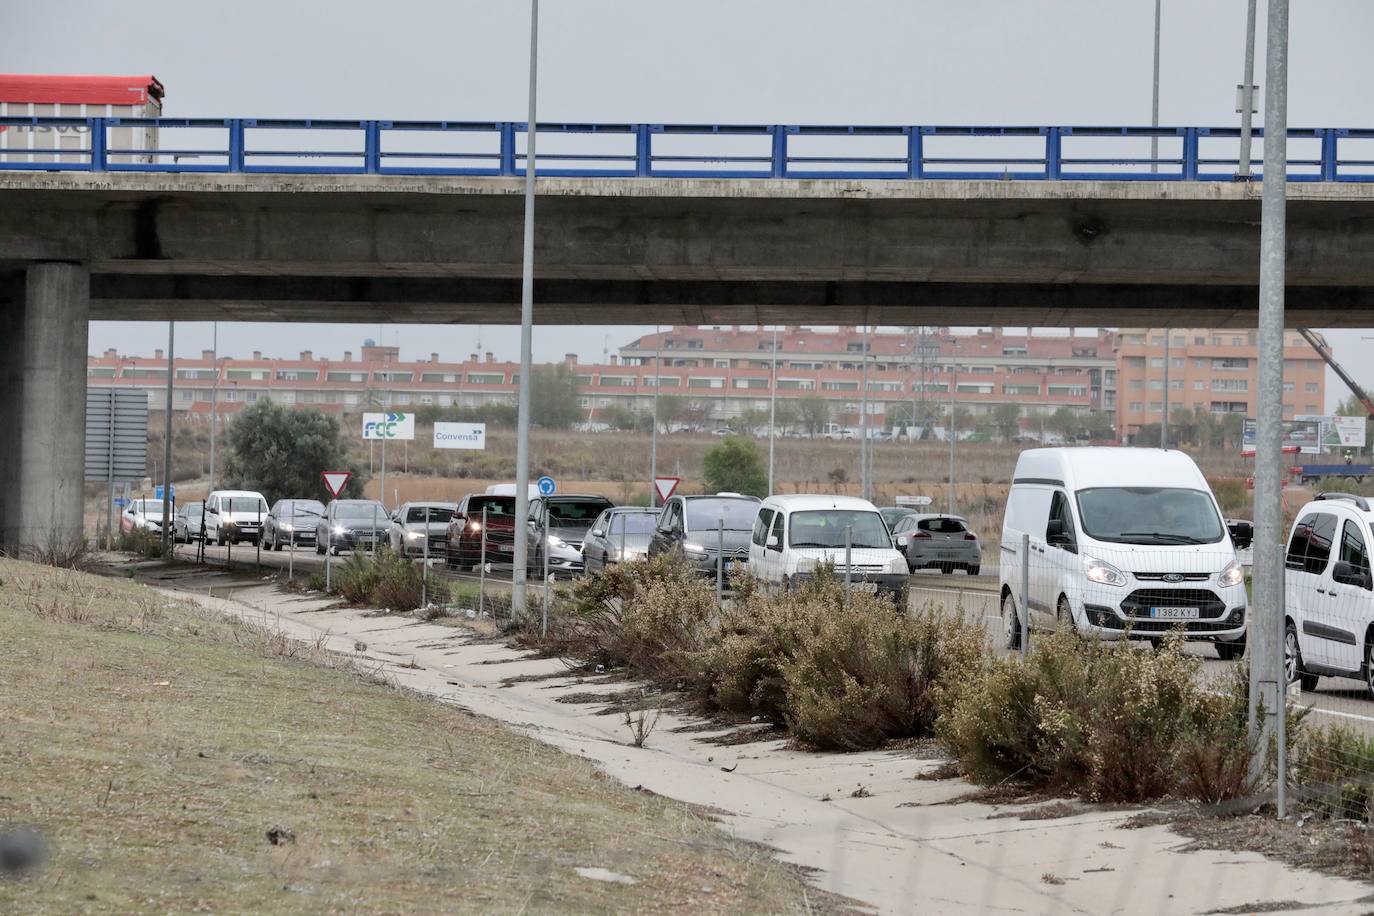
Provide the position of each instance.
(388, 426)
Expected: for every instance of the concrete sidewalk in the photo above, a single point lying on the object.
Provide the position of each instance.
(898, 845)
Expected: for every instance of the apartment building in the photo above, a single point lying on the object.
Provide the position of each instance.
(1210, 370)
(1039, 374)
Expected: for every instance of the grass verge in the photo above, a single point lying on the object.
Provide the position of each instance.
(157, 746)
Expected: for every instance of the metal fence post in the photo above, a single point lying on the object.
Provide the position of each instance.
(99, 148)
(1330, 137)
(779, 158)
(1025, 593)
(644, 155)
(544, 620)
(1053, 164)
(258, 541)
(915, 156)
(372, 147)
(290, 545)
(235, 163)
(623, 520)
(720, 561)
(328, 554)
(424, 570)
(482, 568)
(507, 149)
(848, 560)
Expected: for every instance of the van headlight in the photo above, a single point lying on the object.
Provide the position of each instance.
(807, 565)
(690, 547)
(1102, 572)
(1233, 574)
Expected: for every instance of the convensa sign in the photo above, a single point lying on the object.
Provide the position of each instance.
(460, 435)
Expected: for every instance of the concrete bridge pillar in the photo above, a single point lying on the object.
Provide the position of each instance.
(11, 397)
(45, 505)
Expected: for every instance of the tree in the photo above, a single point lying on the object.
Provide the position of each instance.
(785, 415)
(813, 412)
(553, 397)
(620, 418)
(1100, 426)
(736, 466)
(1006, 420)
(1063, 422)
(281, 453)
(670, 408)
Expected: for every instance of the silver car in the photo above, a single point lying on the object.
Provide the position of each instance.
(942, 542)
(618, 536)
(414, 523)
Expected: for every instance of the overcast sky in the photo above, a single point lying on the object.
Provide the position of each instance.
(714, 61)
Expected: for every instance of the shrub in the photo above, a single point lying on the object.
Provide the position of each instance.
(146, 544)
(1334, 770)
(385, 580)
(735, 466)
(1104, 720)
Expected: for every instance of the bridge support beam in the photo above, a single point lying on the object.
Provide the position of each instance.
(47, 491)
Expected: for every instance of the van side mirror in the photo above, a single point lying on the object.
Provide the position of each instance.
(1242, 532)
(1055, 536)
(598, 532)
(773, 543)
(1347, 574)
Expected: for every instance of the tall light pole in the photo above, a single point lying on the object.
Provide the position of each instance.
(653, 433)
(214, 397)
(772, 409)
(863, 419)
(1164, 419)
(167, 443)
(1154, 99)
(1267, 679)
(522, 428)
(953, 387)
(1247, 93)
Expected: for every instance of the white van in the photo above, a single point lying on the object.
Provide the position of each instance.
(793, 535)
(1123, 542)
(508, 489)
(232, 516)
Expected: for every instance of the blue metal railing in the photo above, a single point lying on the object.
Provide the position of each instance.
(340, 147)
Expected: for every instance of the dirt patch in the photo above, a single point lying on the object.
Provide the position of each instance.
(946, 770)
(749, 734)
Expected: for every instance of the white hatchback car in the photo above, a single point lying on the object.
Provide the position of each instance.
(1329, 592)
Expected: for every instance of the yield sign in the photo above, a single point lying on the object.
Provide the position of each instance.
(666, 486)
(335, 481)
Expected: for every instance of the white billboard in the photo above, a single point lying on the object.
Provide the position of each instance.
(460, 435)
(388, 426)
(1350, 431)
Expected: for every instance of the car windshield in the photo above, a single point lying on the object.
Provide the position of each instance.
(574, 513)
(436, 515)
(1149, 515)
(149, 506)
(894, 515)
(496, 506)
(195, 510)
(248, 504)
(359, 510)
(705, 514)
(826, 528)
(633, 523)
(304, 508)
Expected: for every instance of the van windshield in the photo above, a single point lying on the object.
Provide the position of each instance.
(1149, 515)
(826, 528)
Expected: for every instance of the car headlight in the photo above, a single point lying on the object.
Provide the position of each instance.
(691, 547)
(414, 535)
(474, 526)
(1102, 572)
(287, 526)
(340, 529)
(229, 523)
(896, 565)
(556, 541)
(1233, 574)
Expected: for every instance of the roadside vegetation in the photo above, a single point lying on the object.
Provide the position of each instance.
(383, 580)
(176, 760)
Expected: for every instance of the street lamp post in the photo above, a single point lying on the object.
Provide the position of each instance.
(522, 433)
(1154, 98)
(863, 420)
(1247, 94)
(772, 409)
(653, 433)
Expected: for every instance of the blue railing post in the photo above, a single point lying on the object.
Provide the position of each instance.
(644, 151)
(235, 126)
(507, 148)
(372, 147)
(1329, 139)
(779, 163)
(99, 145)
(1190, 154)
(1053, 158)
(915, 154)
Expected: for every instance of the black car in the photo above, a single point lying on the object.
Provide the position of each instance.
(291, 522)
(696, 527)
(352, 524)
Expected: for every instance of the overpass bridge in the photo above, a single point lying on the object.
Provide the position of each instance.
(378, 221)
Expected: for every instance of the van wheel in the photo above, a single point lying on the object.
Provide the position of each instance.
(1292, 659)
(1011, 624)
(1369, 666)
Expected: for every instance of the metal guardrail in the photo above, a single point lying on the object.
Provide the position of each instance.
(495, 148)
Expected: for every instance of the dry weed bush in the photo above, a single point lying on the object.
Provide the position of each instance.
(385, 580)
(1105, 720)
(1334, 772)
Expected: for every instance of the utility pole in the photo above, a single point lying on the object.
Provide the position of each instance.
(1154, 103)
(167, 444)
(653, 433)
(214, 397)
(522, 433)
(1164, 419)
(772, 409)
(953, 387)
(1247, 94)
(863, 419)
(1267, 680)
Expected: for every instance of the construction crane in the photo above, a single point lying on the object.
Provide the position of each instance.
(1325, 353)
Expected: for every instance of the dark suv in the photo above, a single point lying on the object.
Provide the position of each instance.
(465, 531)
(696, 526)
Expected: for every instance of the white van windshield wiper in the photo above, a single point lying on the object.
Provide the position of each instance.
(1163, 536)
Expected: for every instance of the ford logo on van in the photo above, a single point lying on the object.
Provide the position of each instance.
(1173, 577)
